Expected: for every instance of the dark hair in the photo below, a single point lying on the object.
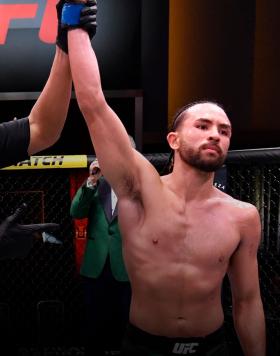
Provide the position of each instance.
(179, 116)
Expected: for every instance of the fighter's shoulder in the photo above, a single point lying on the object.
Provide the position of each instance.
(244, 209)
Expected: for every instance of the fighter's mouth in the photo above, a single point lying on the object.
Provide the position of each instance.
(212, 148)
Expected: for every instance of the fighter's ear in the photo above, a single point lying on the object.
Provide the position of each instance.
(173, 140)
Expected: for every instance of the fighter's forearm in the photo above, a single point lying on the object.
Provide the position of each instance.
(250, 327)
(48, 115)
(85, 73)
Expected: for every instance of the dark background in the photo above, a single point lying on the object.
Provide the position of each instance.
(173, 51)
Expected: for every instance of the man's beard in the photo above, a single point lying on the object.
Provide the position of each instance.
(194, 159)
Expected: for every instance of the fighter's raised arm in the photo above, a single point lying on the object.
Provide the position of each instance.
(118, 161)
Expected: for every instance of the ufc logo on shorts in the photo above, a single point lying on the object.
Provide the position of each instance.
(185, 349)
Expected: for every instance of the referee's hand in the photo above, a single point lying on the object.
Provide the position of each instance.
(16, 239)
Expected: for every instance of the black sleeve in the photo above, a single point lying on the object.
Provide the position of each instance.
(16, 248)
(14, 141)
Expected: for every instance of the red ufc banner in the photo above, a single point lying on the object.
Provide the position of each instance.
(80, 225)
(48, 21)
(28, 31)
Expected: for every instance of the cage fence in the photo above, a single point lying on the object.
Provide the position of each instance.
(41, 305)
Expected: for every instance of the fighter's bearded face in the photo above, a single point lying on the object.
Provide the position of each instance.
(203, 137)
(198, 159)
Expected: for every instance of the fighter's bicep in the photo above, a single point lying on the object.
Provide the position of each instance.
(113, 149)
(148, 180)
(141, 182)
(243, 267)
(243, 275)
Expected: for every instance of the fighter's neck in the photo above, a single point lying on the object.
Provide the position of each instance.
(191, 183)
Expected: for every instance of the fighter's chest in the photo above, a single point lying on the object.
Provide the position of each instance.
(195, 237)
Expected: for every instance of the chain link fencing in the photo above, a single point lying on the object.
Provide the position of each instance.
(41, 305)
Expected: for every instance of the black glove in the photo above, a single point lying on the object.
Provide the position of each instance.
(88, 18)
(61, 38)
(86, 21)
(16, 240)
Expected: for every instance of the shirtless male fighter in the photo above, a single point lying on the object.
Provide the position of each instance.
(181, 235)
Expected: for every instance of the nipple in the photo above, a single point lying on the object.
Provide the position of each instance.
(181, 318)
(155, 241)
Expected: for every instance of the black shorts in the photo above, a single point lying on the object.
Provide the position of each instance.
(140, 343)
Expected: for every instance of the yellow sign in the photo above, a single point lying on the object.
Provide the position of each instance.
(49, 162)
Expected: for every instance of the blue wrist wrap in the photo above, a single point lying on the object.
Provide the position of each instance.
(71, 14)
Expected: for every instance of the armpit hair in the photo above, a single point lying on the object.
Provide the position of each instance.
(130, 188)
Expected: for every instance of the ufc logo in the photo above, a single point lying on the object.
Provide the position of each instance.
(47, 32)
(185, 349)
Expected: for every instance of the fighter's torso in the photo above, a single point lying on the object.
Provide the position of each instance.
(177, 255)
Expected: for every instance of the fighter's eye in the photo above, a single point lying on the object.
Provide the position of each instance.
(224, 132)
(202, 126)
